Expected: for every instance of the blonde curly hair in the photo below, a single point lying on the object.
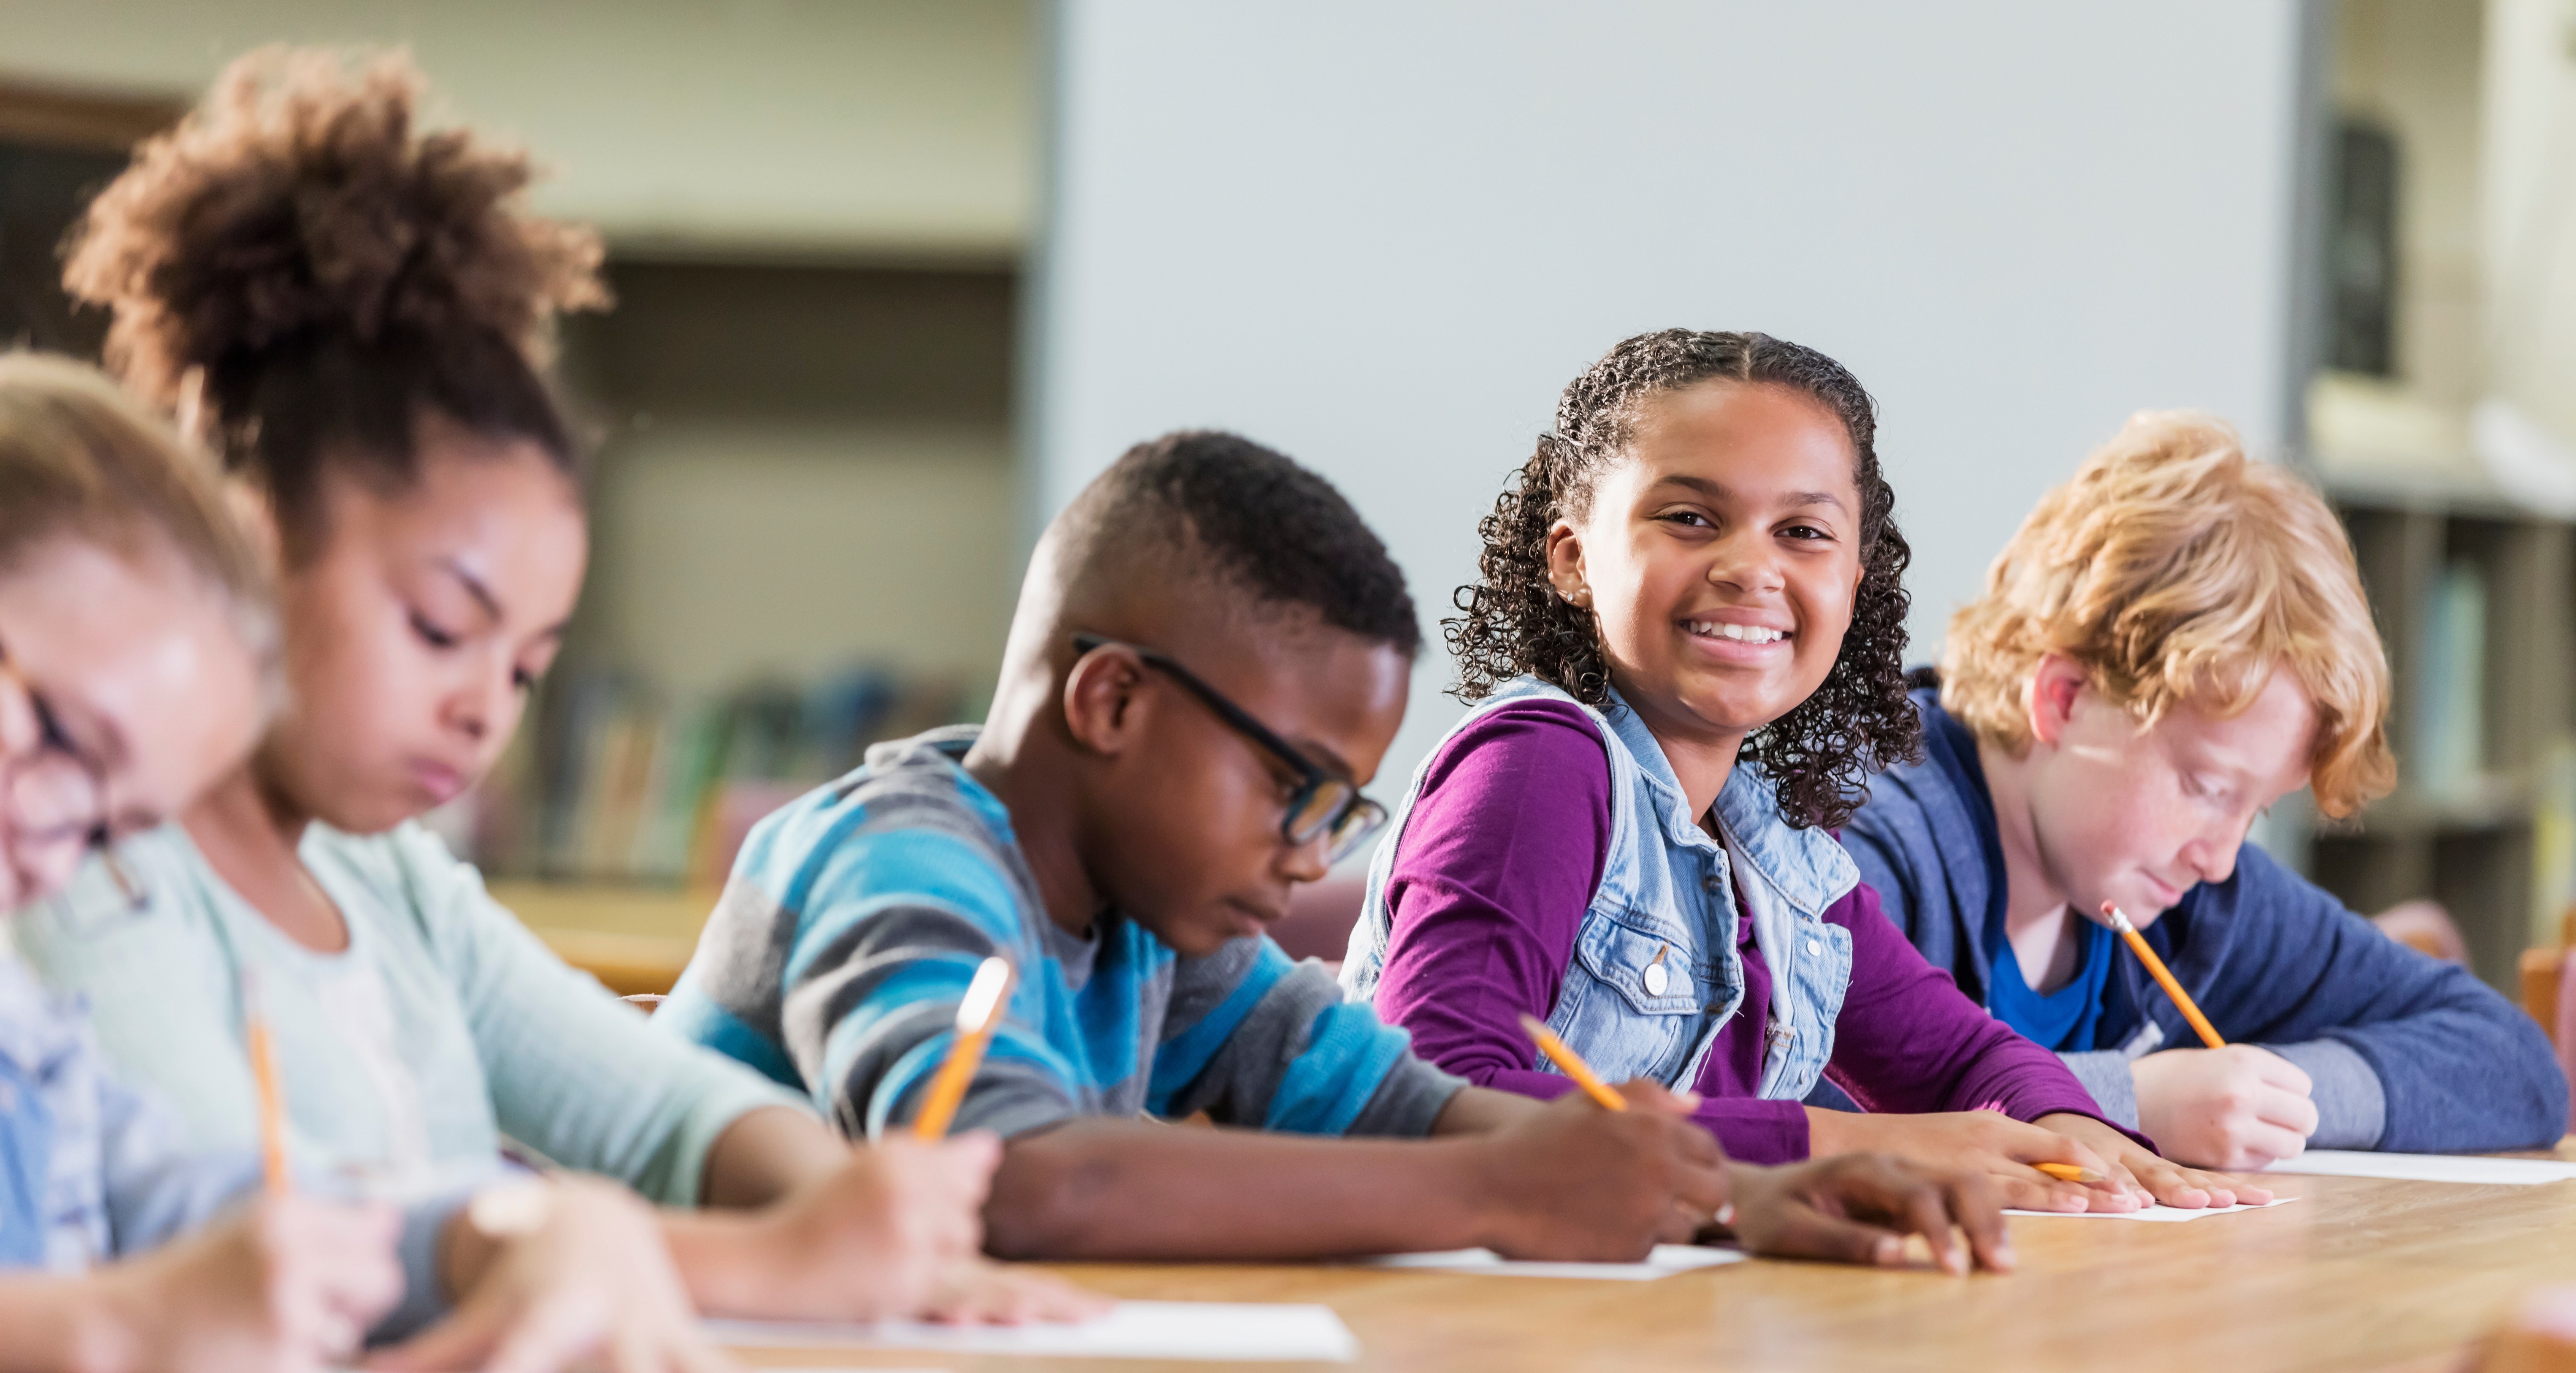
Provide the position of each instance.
(2176, 570)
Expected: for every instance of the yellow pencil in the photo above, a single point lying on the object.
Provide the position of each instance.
(978, 1015)
(1571, 1064)
(272, 1089)
(2163, 976)
(2068, 1172)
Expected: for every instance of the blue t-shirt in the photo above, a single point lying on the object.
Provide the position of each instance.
(2064, 1020)
(855, 919)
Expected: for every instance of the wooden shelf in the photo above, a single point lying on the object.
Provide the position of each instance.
(2473, 845)
(635, 940)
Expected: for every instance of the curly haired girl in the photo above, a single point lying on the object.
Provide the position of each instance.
(357, 309)
(1684, 656)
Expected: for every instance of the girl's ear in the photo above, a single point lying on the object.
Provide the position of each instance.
(1565, 565)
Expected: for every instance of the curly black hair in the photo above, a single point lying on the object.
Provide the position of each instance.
(1820, 754)
(1280, 532)
(317, 272)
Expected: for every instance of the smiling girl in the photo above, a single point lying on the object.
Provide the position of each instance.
(1683, 654)
(356, 310)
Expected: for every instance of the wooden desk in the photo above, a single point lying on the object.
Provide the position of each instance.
(2358, 1274)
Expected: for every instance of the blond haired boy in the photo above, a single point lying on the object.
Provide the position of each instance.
(2175, 640)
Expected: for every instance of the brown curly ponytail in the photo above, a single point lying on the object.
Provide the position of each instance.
(328, 274)
(1513, 622)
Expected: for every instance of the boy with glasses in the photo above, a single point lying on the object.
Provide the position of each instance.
(1210, 656)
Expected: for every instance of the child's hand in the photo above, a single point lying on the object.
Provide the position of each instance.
(980, 1292)
(1984, 1142)
(581, 1278)
(877, 1238)
(2137, 1168)
(2237, 1107)
(1574, 1181)
(1859, 1208)
(288, 1285)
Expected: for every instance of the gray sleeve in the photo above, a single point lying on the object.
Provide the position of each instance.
(872, 1010)
(1297, 1057)
(1412, 1096)
(2352, 1109)
(2105, 1073)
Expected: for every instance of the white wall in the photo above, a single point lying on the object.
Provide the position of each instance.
(1381, 235)
(832, 126)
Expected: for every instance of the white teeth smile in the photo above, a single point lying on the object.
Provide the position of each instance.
(1749, 634)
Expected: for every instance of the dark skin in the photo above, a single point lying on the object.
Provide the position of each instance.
(1129, 794)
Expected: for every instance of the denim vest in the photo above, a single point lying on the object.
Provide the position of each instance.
(1655, 972)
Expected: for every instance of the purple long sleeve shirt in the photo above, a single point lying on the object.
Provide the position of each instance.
(1496, 866)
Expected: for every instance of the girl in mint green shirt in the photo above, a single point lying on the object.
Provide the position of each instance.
(355, 314)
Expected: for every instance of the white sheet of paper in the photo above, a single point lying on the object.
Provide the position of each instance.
(1664, 1262)
(1132, 1330)
(2346, 1163)
(2159, 1213)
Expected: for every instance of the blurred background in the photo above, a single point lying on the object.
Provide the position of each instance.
(896, 276)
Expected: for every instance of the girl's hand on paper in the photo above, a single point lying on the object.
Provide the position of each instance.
(2136, 1169)
(1858, 1208)
(1988, 1143)
(569, 1273)
(288, 1285)
(2240, 1107)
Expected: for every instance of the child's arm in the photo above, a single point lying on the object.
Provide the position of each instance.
(2403, 1052)
(1567, 1180)
(1923, 1058)
(586, 1081)
(894, 1232)
(285, 1286)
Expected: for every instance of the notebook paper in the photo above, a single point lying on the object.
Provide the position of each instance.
(2345, 1163)
(2160, 1212)
(1664, 1262)
(1132, 1330)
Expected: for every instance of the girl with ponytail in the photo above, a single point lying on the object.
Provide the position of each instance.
(357, 309)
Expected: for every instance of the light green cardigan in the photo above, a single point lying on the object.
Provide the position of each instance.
(490, 1032)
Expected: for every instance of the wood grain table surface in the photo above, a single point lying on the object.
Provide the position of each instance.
(2358, 1274)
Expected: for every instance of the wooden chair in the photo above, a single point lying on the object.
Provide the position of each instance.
(2426, 928)
(2544, 976)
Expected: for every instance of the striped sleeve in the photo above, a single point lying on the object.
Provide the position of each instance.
(892, 918)
(1254, 1039)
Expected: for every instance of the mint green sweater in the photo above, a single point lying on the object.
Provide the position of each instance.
(444, 1026)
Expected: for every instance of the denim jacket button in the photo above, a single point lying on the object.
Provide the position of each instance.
(1815, 948)
(1655, 978)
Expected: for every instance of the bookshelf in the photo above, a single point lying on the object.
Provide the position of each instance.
(2472, 595)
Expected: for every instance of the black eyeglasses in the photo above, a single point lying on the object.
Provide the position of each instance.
(1324, 806)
